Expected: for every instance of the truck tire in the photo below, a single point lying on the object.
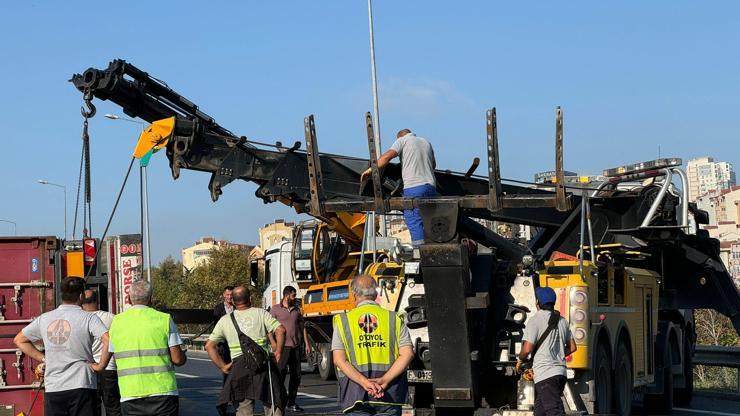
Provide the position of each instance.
(623, 381)
(683, 396)
(662, 404)
(326, 364)
(603, 381)
(421, 396)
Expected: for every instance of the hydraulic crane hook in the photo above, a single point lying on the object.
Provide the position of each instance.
(91, 110)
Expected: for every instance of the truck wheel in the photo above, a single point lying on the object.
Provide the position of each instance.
(662, 404)
(420, 396)
(603, 380)
(623, 381)
(326, 364)
(683, 396)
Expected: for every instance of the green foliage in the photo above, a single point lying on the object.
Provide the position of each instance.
(713, 328)
(167, 279)
(202, 287)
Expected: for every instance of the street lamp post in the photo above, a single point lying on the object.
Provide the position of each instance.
(45, 182)
(15, 226)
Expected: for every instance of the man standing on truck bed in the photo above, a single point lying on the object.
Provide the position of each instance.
(289, 316)
(417, 172)
(548, 338)
(372, 349)
(67, 333)
(108, 378)
(147, 346)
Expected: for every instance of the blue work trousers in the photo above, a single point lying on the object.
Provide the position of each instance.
(412, 216)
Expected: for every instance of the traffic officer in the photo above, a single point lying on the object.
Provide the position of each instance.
(371, 348)
(548, 339)
(146, 344)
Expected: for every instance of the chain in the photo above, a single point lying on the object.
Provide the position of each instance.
(87, 113)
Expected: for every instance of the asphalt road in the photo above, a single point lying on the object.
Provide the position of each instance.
(199, 383)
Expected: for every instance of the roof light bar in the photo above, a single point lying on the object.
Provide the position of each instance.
(643, 167)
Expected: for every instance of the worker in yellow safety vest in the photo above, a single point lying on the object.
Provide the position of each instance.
(146, 346)
(371, 348)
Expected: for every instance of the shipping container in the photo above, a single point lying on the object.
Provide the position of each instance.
(29, 268)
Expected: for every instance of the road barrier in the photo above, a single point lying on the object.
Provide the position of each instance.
(716, 356)
(195, 342)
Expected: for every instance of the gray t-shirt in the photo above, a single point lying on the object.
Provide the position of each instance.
(417, 160)
(404, 341)
(68, 333)
(107, 319)
(549, 361)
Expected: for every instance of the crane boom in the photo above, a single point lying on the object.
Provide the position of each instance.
(694, 276)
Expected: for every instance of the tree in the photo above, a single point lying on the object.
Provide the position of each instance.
(713, 328)
(167, 281)
(205, 284)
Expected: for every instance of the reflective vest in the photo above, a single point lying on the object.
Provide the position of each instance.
(140, 339)
(370, 336)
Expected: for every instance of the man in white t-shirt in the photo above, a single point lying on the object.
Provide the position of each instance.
(417, 172)
(67, 333)
(108, 378)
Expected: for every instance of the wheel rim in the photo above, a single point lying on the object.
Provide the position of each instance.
(324, 360)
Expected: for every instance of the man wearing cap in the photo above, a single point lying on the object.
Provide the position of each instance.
(548, 361)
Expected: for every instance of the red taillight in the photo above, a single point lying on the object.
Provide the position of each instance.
(88, 248)
(569, 358)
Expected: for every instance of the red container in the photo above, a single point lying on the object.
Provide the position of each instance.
(29, 268)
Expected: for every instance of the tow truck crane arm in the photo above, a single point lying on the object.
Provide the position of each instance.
(199, 143)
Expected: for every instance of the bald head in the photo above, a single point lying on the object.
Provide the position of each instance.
(364, 287)
(402, 133)
(240, 296)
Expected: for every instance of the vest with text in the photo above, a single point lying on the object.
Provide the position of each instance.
(370, 336)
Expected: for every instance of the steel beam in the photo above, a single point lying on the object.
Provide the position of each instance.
(562, 204)
(467, 202)
(446, 285)
(379, 205)
(494, 171)
(315, 181)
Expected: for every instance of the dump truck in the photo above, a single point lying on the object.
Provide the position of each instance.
(622, 255)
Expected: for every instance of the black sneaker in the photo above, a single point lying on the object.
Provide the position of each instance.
(295, 408)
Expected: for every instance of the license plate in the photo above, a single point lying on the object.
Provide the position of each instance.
(419, 376)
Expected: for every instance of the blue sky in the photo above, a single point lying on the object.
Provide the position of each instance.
(630, 76)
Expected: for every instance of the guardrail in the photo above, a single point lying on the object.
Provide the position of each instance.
(197, 344)
(715, 356)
